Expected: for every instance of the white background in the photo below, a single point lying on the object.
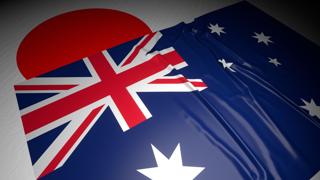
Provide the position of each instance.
(18, 18)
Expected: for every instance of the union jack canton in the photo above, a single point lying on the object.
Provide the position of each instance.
(62, 96)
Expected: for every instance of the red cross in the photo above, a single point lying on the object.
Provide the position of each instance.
(111, 84)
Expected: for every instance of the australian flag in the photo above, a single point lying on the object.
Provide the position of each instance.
(232, 95)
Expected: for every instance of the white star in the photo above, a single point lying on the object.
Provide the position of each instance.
(170, 169)
(274, 61)
(314, 110)
(262, 38)
(226, 64)
(216, 29)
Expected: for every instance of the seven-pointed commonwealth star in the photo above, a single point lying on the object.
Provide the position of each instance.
(274, 61)
(262, 38)
(170, 169)
(226, 64)
(311, 106)
(216, 29)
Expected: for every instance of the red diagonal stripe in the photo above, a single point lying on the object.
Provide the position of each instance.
(156, 64)
(198, 84)
(73, 102)
(137, 49)
(75, 136)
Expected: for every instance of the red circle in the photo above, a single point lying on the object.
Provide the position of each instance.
(71, 36)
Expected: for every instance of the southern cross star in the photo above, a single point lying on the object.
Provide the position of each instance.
(262, 38)
(274, 61)
(216, 29)
(226, 64)
(312, 108)
(170, 169)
